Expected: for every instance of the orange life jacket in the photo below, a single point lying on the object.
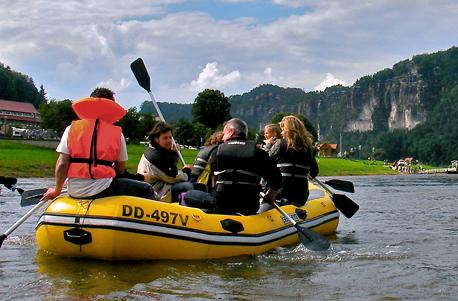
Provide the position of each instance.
(94, 142)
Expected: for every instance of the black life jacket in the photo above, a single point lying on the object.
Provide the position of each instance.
(201, 161)
(294, 167)
(235, 167)
(165, 160)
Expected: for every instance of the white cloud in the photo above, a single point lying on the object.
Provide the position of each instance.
(268, 73)
(330, 81)
(211, 77)
(72, 46)
(293, 3)
(116, 85)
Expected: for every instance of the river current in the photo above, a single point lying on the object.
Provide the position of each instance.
(401, 245)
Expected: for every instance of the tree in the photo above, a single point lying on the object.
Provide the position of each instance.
(146, 123)
(201, 133)
(308, 125)
(211, 108)
(19, 87)
(57, 115)
(136, 126)
(42, 92)
(184, 132)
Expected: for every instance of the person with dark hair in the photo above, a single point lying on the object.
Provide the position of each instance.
(201, 169)
(238, 166)
(101, 92)
(93, 153)
(158, 164)
(295, 157)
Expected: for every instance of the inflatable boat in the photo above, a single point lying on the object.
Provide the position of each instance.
(131, 228)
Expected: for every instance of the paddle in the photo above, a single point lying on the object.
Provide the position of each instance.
(343, 203)
(341, 185)
(10, 183)
(309, 239)
(141, 74)
(32, 197)
(19, 222)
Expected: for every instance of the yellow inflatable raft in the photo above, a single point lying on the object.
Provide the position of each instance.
(131, 228)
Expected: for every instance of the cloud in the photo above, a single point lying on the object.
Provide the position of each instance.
(211, 77)
(72, 46)
(293, 3)
(329, 81)
(116, 85)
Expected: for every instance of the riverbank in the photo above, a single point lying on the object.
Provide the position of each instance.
(28, 161)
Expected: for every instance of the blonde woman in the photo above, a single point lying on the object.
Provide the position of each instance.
(295, 158)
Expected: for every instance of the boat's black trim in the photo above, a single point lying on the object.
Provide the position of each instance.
(187, 238)
(81, 219)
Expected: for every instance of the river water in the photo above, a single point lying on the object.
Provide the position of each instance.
(401, 245)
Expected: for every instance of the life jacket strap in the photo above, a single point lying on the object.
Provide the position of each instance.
(235, 182)
(292, 165)
(89, 161)
(241, 171)
(285, 174)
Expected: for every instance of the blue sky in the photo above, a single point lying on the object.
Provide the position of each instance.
(263, 11)
(72, 46)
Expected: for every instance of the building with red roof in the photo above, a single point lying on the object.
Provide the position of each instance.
(16, 112)
(327, 149)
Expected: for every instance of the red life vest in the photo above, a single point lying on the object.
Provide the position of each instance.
(94, 142)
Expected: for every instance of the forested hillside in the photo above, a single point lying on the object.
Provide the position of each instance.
(172, 112)
(407, 110)
(19, 87)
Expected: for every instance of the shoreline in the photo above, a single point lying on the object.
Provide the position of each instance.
(21, 159)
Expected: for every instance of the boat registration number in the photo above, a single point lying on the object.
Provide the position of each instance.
(157, 215)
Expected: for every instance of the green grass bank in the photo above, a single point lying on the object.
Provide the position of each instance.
(27, 161)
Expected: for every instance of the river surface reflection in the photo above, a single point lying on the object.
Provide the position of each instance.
(401, 245)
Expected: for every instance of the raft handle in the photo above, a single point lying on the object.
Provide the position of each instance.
(232, 225)
(78, 236)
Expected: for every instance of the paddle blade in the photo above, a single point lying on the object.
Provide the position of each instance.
(312, 240)
(141, 74)
(8, 182)
(2, 238)
(341, 185)
(32, 197)
(345, 205)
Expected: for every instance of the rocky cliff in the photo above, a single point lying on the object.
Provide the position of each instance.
(396, 98)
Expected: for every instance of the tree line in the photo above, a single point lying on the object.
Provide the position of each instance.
(434, 141)
(19, 87)
(209, 111)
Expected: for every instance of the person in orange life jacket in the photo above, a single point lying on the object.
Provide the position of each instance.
(238, 166)
(201, 162)
(295, 157)
(158, 164)
(93, 152)
(272, 133)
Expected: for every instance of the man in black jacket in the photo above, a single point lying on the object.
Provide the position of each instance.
(237, 167)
